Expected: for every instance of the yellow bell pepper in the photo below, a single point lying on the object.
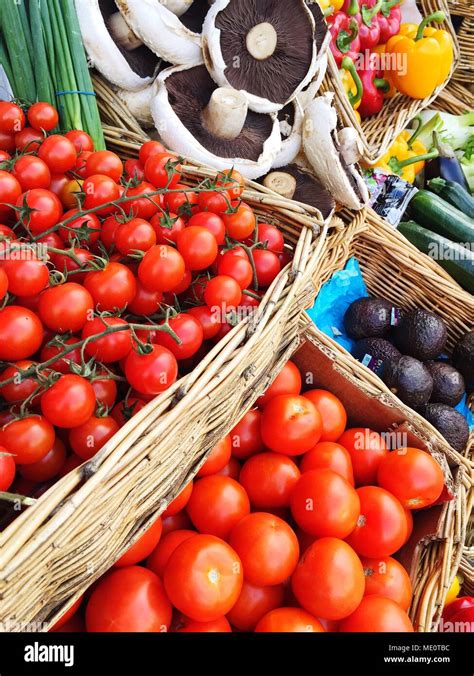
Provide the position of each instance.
(423, 57)
(330, 6)
(350, 87)
(406, 156)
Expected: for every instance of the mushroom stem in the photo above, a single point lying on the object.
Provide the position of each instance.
(122, 32)
(349, 145)
(225, 114)
(178, 7)
(281, 182)
(261, 41)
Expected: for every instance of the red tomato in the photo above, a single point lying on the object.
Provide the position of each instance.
(28, 439)
(31, 172)
(333, 413)
(329, 455)
(159, 557)
(43, 116)
(148, 149)
(145, 302)
(134, 170)
(163, 170)
(111, 288)
(253, 603)
(109, 348)
(232, 469)
(167, 227)
(162, 268)
(28, 139)
(382, 526)
(288, 381)
(10, 191)
(217, 202)
(366, 448)
(269, 479)
(84, 228)
(3, 284)
(291, 424)
(240, 224)
(324, 504)
(216, 505)
(237, 267)
(67, 616)
(70, 194)
(105, 390)
(146, 204)
(198, 247)
(48, 467)
(66, 307)
(142, 547)
(387, 578)
(286, 620)
(377, 614)
(412, 476)
(44, 210)
(222, 294)
(7, 469)
(180, 501)
(59, 154)
(7, 142)
(26, 277)
(21, 387)
(183, 203)
(100, 190)
(63, 364)
(232, 180)
(58, 181)
(211, 222)
(189, 331)
(217, 458)
(81, 140)
(4, 156)
(246, 437)
(177, 521)
(64, 263)
(21, 333)
(69, 402)
(106, 163)
(12, 118)
(219, 625)
(126, 409)
(128, 599)
(267, 265)
(134, 235)
(153, 372)
(81, 163)
(209, 320)
(203, 578)
(271, 237)
(87, 439)
(267, 546)
(329, 579)
(452, 609)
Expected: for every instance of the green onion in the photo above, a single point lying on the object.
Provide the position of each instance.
(44, 82)
(23, 81)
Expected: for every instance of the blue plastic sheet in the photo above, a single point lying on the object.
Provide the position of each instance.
(335, 296)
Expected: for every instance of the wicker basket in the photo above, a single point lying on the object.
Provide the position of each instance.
(465, 68)
(455, 99)
(57, 547)
(461, 7)
(434, 552)
(378, 132)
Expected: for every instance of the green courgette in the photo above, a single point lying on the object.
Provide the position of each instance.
(434, 213)
(453, 193)
(454, 258)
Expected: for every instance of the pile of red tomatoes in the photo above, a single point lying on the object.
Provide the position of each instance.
(291, 525)
(115, 279)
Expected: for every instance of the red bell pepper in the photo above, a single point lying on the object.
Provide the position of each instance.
(389, 20)
(367, 20)
(345, 36)
(373, 89)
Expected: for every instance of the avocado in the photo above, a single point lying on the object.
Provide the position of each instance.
(450, 423)
(409, 379)
(463, 358)
(368, 318)
(421, 334)
(378, 348)
(448, 383)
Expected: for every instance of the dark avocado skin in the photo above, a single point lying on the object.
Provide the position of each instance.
(378, 348)
(448, 383)
(421, 334)
(409, 379)
(463, 358)
(368, 318)
(450, 423)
